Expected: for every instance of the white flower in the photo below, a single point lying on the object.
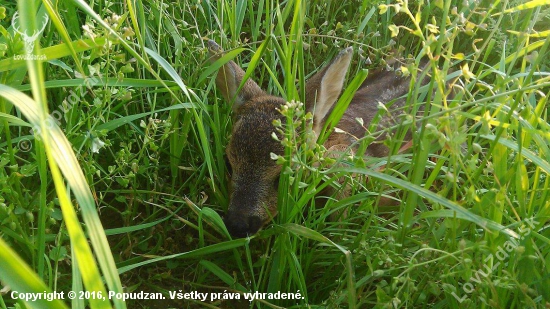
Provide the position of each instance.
(97, 144)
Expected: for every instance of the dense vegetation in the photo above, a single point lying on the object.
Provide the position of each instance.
(112, 171)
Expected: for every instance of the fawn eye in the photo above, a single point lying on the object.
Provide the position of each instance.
(228, 165)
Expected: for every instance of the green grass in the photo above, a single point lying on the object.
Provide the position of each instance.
(126, 189)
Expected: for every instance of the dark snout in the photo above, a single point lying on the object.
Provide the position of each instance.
(242, 226)
(248, 208)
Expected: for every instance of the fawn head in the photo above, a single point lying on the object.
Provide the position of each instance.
(254, 175)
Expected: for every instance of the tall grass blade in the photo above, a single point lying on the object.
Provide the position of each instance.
(402, 184)
(61, 151)
(22, 279)
(524, 6)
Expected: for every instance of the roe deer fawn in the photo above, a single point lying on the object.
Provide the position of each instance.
(254, 175)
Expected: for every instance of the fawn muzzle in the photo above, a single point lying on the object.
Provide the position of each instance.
(253, 203)
(239, 226)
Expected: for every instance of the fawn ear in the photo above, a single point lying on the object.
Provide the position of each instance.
(324, 88)
(229, 77)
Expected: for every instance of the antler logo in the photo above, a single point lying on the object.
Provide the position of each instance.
(29, 40)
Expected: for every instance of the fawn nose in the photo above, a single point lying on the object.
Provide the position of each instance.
(240, 227)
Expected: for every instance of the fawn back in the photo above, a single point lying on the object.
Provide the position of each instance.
(254, 175)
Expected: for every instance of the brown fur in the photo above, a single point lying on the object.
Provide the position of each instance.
(254, 179)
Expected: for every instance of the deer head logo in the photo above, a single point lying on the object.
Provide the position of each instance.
(28, 39)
